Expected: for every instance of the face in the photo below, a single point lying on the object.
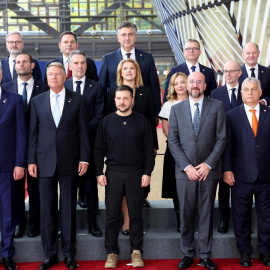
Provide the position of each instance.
(128, 72)
(232, 72)
(123, 101)
(250, 54)
(56, 78)
(78, 66)
(192, 51)
(14, 44)
(23, 66)
(68, 44)
(126, 38)
(196, 85)
(251, 94)
(180, 86)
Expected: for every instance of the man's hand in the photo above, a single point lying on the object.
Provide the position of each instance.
(228, 178)
(82, 168)
(18, 173)
(262, 101)
(32, 169)
(145, 180)
(203, 170)
(192, 173)
(102, 180)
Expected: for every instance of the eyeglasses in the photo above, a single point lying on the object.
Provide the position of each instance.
(231, 71)
(125, 35)
(197, 82)
(193, 49)
(14, 42)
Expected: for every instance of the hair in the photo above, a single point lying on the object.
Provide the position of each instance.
(68, 33)
(57, 64)
(14, 33)
(253, 80)
(29, 56)
(138, 79)
(126, 24)
(124, 88)
(172, 95)
(0, 67)
(76, 52)
(193, 40)
(257, 47)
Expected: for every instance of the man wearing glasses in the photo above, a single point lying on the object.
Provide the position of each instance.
(14, 44)
(192, 53)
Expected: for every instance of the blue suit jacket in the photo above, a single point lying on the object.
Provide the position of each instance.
(221, 94)
(207, 72)
(13, 132)
(264, 77)
(108, 68)
(245, 155)
(36, 73)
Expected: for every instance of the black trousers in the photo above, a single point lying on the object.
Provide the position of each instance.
(224, 191)
(118, 184)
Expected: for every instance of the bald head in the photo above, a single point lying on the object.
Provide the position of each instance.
(251, 54)
(232, 72)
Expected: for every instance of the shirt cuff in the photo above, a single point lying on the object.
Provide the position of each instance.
(208, 166)
(84, 162)
(187, 167)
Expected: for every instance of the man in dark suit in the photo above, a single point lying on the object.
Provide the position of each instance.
(247, 171)
(13, 137)
(68, 43)
(58, 151)
(14, 43)
(192, 53)
(230, 95)
(251, 68)
(27, 87)
(197, 151)
(93, 93)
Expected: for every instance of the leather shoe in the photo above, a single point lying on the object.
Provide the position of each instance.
(185, 263)
(70, 263)
(223, 227)
(146, 204)
(34, 230)
(245, 260)
(9, 264)
(82, 202)
(265, 258)
(48, 263)
(95, 230)
(125, 232)
(208, 264)
(19, 231)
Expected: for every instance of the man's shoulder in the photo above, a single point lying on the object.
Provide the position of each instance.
(10, 94)
(264, 69)
(219, 90)
(137, 51)
(206, 69)
(4, 60)
(58, 59)
(40, 97)
(9, 85)
(111, 54)
(92, 83)
(90, 61)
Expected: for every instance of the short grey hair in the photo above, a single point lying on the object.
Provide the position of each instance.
(126, 24)
(0, 67)
(57, 64)
(14, 33)
(253, 80)
(76, 52)
(193, 40)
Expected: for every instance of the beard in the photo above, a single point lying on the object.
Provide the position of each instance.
(24, 73)
(123, 110)
(197, 95)
(15, 52)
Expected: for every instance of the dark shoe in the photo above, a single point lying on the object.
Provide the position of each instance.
(59, 234)
(48, 263)
(245, 260)
(70, 263)
(125, 232)
(265, 258)
(208, 264)
(223, 227)
(82, 202)
(185, 263)
(34, 230)
(9, 264)
(146, 204)
(95, 230)
(19, 231)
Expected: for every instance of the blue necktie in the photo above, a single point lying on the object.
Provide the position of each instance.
(78, 87)
(128, 54)
(56, 111)
(24, 95)
(193, 68)
(196, 119)
(252, 72)
(14, 75)
(233, 99)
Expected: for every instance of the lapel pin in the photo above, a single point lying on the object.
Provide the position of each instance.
(264, 110)
(140, 54)
(203, 70)
(69, 100)
(4, 101)
(37, 86)
(140, 94)
(124, 123)
(90, 85)
(262, 71)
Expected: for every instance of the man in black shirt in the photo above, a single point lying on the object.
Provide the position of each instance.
(125, 139)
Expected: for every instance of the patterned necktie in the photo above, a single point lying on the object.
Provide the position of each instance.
(56, 111)
(196, 119)
(78, 87)
(14, 75)
(254, 122)
(233, 99)
(128, 55)
(24, 95)
(193, 68)
(252, 72)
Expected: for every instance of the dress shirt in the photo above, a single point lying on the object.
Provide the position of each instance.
(229, 88)
(124, 56)
(197, 69)
(256, 71)
(249, 113)
(81, 86)
(65, 63)
(61, 99)
(193, 107)
(11, 65)
(0, 92)
(29, 87)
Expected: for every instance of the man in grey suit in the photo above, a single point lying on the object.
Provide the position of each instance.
(197, 137)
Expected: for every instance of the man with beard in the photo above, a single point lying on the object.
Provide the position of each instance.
(125, 139)
(197, 151)
(14, 43)
(27, 87)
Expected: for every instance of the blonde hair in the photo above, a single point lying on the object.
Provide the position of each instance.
(57, 64)
(138, 79)
(171, 92)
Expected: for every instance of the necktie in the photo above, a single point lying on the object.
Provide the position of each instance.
(252, 72)
(78, 87)
(233, 99)
(254, 122)
(193, 68)
(14, 75)
(24, 95)
(196, 119)
(56, 111)
(128, 55)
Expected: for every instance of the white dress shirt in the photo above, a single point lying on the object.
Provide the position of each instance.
(65, 63)
(29, 87)
(229, 88)
(124, 54)
(256, 71)
(61, 99)
(11, 65)
(81, 86)
(189, 67)
(249, 113)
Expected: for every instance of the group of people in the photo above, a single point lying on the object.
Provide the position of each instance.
(59, 132)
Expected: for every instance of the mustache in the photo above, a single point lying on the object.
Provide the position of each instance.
(195, 88)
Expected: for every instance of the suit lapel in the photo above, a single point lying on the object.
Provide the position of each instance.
(244, 72)
(118, 57)
(5, 66)
(185, 69)
(139, 56)
(205, 108)
(260, 73)
(69, 84)
(262, 117)
(4, 102)
(239, 96)
(244, 118)
(202, 69)
(187, 113)
(87, 88)
(225, 94)
(67, 106)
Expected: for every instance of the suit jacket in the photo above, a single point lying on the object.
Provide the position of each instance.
(245, 155)
(36, 73)
(108, 68)
(13, 135)
(61, 147)
(221, 94)
(207, 72)
(264, 77)
(209, 144)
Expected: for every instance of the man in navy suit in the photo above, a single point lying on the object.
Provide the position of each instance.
(251, 68)
(14, 43)
(230, 95)
(58, 151)
(68, 43)
(246, 169)
(13, 137)
(192, 53)
(24, 66)
(93, 93)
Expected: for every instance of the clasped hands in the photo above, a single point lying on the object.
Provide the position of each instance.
(199, 172)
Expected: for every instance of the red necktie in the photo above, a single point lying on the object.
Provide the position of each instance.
(69, 73)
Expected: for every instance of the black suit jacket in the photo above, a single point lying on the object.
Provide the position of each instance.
(91, 71)
(61, 147)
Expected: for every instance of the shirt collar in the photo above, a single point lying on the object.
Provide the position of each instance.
(192, 102)
(29, 82)
(257, 108)
(61, 93)
(229, 87)
(124, 52)
(248, 67)
(196, 65)
(65, 59)
(82, 79)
